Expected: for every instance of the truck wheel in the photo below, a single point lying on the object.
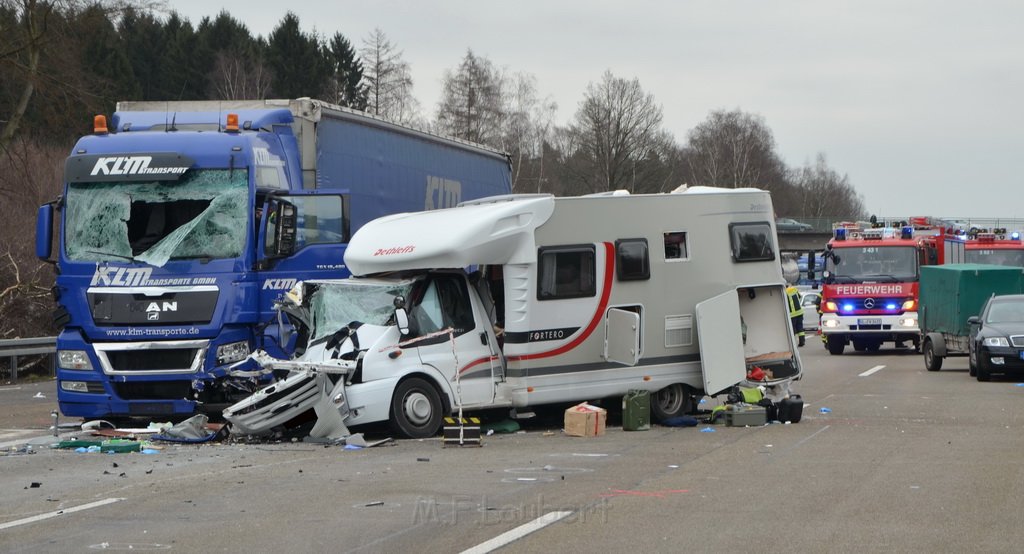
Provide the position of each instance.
(931, 361)
(672, 401)
(874, 346)
(858, 346)
(835, 345)
(416, 409)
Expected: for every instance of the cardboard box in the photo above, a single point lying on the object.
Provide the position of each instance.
(584, 420)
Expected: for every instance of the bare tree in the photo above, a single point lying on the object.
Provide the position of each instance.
(236, 76)
(616, 132)
(473, 99)
(824, 193)
(35, 172)
(34, 52)
(527, 126)
(734, 149)
(388, 80)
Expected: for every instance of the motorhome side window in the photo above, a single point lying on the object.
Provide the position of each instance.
(566, 272)
(751, 242)
(633, 261)
(443, 303)
(676, 247)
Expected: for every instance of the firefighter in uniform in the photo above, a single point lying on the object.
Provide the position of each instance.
(796, 313)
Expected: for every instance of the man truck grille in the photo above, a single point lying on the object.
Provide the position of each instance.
(178, 356)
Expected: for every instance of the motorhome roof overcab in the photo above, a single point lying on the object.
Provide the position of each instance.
(526, 300)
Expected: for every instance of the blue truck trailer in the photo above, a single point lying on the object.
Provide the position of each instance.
(181, 223)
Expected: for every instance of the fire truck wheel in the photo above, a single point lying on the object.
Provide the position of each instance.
(836, 345)
(672, 401)
(416, 409)
(931, 361)
(874, 346)
(858, 346)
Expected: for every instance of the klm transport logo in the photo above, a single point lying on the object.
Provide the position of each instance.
(141, 277)
(132, 165)
(279, 284)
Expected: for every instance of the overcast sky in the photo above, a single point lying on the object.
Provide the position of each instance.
(918, 102)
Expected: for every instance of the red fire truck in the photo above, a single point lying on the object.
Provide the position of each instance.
(869, 292)
(995, 246)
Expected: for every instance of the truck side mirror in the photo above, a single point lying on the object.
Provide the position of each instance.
(287, 226)
(44, 232)
(401, 316)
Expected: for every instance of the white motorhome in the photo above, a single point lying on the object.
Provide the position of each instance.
(527, 300)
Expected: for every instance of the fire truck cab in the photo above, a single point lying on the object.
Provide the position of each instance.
(870, 288)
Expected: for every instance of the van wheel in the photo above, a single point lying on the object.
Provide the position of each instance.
(672, 401)
(931, 361)
(416, 409)
(835, 345)
(972, 363)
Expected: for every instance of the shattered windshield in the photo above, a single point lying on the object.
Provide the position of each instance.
(203, 215)
(874, 264)
(335, 305)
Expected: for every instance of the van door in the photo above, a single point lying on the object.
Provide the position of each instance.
(466, 356)
(719, 332)
(622, 337)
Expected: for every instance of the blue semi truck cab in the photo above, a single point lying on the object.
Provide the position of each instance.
(181, 223)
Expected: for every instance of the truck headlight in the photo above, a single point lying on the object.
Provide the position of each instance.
(74, 386)
(908, 322)
(995, 341)
(74, 359)
(232, 352)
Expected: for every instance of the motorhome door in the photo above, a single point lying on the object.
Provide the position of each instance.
(720, 335)
(622, 337)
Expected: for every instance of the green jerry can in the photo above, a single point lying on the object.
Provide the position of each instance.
(636, 410)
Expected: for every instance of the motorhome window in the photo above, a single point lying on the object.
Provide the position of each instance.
(444, 303)
(202, 215)
(676, 247)
(634, 261)
(752, 242)
(566, 272)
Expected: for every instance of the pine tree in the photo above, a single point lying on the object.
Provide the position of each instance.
(348, 88)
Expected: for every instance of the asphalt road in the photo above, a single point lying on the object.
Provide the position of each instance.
(904, 460)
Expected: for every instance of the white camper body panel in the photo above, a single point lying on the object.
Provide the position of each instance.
(591, 296)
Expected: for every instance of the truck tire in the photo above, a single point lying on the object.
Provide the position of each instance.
(932, 362)
(416, 409)
(858, 346)
(672, 401)
(835, 345)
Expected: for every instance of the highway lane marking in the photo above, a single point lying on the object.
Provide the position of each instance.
(875, 369)
(56, 513)
(519, 532)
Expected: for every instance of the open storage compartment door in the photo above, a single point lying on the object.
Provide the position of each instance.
(622, 337)
(720, 335)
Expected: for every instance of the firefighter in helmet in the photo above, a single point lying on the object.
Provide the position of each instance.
(796, 313)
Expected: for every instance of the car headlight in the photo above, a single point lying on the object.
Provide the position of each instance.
(995, 341)
(74, 359)
(232, 352)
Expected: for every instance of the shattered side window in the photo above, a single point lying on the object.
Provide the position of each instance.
(335, 305)
(203, 215)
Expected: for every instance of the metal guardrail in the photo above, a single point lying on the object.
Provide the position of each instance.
(16, 348)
